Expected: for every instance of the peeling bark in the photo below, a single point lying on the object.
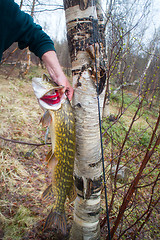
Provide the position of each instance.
(88, 166)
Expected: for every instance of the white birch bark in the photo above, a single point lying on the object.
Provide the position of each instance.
(88, 166)
(28, 51)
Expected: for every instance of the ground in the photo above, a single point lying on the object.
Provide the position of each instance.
(23, 170)
(24, 174)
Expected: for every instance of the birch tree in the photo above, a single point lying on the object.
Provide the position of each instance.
(28, 51)
(88, 166)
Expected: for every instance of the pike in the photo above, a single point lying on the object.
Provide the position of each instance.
(60, 119)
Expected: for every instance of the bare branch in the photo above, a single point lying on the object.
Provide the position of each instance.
(132, 188)
(24, 143)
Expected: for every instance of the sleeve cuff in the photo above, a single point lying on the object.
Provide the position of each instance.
(44, 49)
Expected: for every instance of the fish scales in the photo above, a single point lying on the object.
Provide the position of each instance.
(60, 119)
(64, 170)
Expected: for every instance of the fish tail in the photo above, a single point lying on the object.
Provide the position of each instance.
(56, 220)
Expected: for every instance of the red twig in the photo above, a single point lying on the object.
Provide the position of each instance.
(134, 184)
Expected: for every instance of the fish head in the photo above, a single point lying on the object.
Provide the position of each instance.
(48, 93)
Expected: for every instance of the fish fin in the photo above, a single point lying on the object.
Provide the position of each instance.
(48, 156)
(72, 193)
(46, 135)
(48, 193)
(46, 119)
(57, 220)
(51, 159)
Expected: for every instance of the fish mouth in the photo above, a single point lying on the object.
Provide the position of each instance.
(51, 98)
(49, 95)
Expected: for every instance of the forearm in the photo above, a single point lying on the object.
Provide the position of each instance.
(53, 66)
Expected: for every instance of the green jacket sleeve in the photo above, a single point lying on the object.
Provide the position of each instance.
(19, 27)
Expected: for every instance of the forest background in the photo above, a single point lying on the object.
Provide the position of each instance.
(131, 133)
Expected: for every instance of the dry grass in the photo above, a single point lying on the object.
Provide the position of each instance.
(23, 172)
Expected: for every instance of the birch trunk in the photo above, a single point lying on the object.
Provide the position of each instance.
(28, 51)
(88, 166)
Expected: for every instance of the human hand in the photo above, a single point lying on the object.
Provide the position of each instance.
(68, 90)
(55, 71)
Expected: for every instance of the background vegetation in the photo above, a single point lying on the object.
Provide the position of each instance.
(131, 133)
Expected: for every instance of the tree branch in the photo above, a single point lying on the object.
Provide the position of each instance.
(134, 184)
(24, 143)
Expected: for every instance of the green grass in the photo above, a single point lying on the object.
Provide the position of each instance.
(22, 220)
(34, 71)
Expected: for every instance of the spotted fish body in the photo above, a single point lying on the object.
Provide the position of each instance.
(60, 118)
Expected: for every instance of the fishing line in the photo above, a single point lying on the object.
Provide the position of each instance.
(95, 34)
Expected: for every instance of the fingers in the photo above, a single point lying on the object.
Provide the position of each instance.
(69, 93)
(68, 90)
